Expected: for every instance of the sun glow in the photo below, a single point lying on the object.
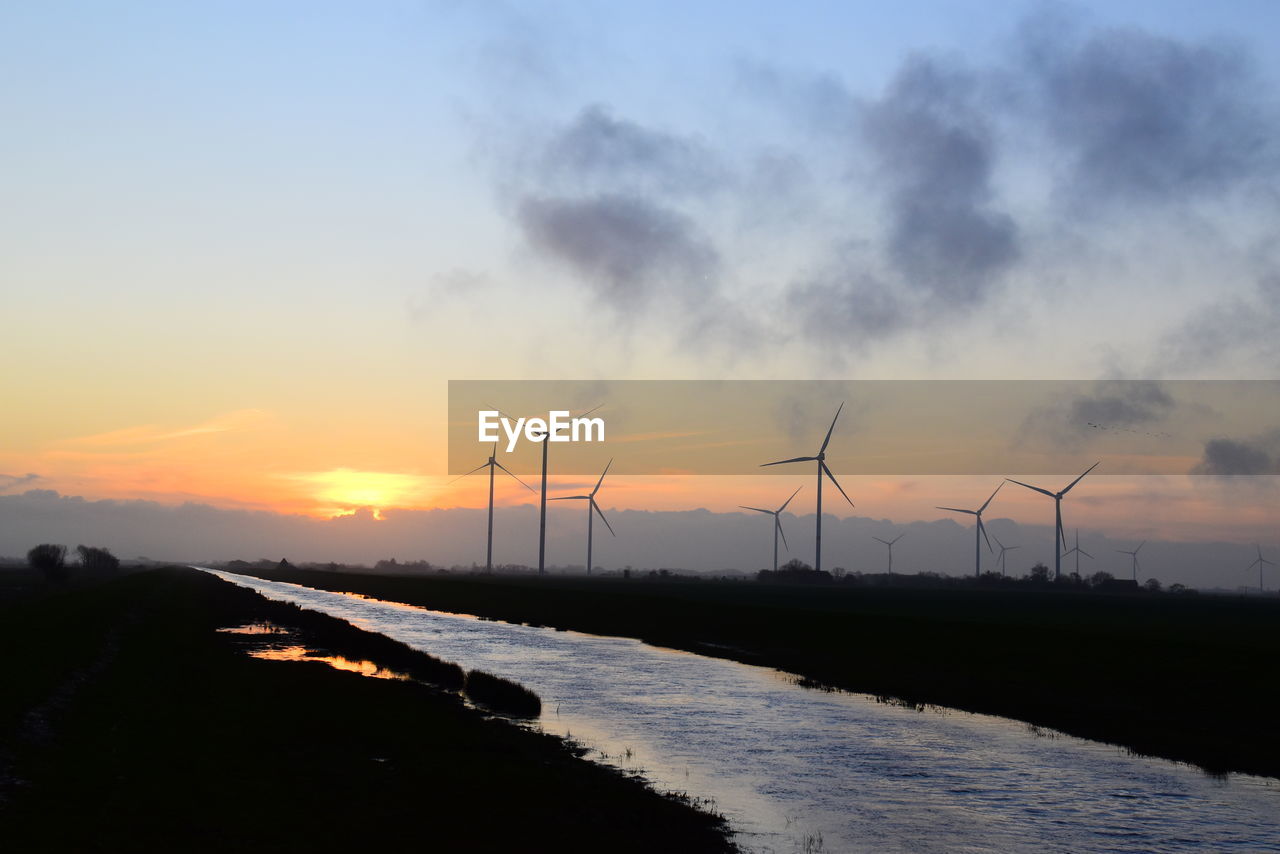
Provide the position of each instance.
(343, 491)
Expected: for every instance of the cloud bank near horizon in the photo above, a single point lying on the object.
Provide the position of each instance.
(696, 540)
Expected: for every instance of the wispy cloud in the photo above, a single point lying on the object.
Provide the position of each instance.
(152, 434)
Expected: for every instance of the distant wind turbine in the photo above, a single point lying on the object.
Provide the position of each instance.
(590, 498)
(1134, 554)
(1059, 536)
(979, 534)
(1259, 563)
(1003, 549)
(1078, 551)
(890, 543)
(491, 465)
(542, 502)
(777, 524)
(820, 459)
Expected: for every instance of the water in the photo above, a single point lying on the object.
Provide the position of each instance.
(795, 769)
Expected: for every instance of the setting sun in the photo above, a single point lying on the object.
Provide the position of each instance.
(341, 491)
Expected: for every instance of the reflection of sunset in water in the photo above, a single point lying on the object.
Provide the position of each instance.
(301, 653)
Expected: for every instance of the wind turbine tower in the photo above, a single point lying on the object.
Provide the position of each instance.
(1134, 554)
(492, 464)
(1078, 551)
(1003, 549)
(590, 498)
(777, 525)
(1059, 536)
(890, 543)
(1260, 563)
(980, 532)
(821, 460)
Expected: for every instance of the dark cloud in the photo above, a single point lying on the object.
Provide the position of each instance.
(597, 150)
(1108, 406)
(13, 481)
(1148, 118)
(1234, 457)
(1120, 403)
(626, 247)
(848, 306)
(1106, 115)
(934, 149)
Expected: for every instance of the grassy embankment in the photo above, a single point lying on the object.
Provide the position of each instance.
(1191, 678)
(128, 722)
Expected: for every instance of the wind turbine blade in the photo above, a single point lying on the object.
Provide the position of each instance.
(499, 411)
(886, 542)
(589, 411)
(837, 483)
(1085, 553)
(983, 530)
(793, 460)
(900, 536)
(473, 471)
(600, 513)
(1029, 486)
(1081, 477)
(1011, 548)
(568, 497)
(518, 480)
(958, 510)
(788, 501)
(997, 539)
(831, 428)
(781, 532)
(1139, 548)
(757, 509)
(601, 480)
(988, 501)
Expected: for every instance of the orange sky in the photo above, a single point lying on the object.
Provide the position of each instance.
(257, 459)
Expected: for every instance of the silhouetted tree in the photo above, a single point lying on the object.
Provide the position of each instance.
(1153, 584)
(97, 560)
(1100, 578)
(49, 559)
(1039, 574)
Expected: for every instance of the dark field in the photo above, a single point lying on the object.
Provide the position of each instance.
(1191, 678)
(127, 723)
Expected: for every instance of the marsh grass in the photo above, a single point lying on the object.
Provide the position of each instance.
(501, 695)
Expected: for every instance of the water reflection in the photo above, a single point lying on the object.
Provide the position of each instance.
(295, 652)
(301, 653)
(793, 768)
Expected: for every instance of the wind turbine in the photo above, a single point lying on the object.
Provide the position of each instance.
(1003, 549)
(820, 459)
(979, 534)
(1079, 551)
(890, 543)
(491, 465)
(1059, 536)
(542, 502)
(1134, 554)
(777, 524)
(590, 498)
(1259, 563)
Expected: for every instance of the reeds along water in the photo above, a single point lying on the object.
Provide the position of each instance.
(501, 695)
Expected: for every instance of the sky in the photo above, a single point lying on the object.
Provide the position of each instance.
(246, 245)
